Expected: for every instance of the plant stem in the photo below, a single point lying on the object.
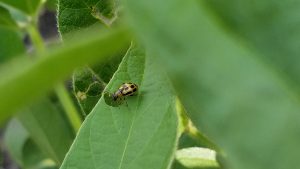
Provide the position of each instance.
(60, 90)
(187, 126)
(193, 132)
(68, 106)
(36, 39)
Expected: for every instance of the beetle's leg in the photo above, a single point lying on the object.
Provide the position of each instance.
(124, 100)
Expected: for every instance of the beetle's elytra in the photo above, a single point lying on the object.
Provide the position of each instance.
(126, 89)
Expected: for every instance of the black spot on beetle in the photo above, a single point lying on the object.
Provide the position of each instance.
(134, 90)
(132, 86)
(129, 93)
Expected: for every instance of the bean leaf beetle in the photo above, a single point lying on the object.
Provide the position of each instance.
(118, 97)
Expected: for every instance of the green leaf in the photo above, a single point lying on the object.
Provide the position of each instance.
(89, 83)
(6, 19)
(106, 70)
(48, 128)
(51, 5)
(189, 139)
(196, 157)
(87, 88)
(34, 158)
(25, 78)
(14, 139)
(139, 134)
(186, 126)
(11, 43)
(21, 147)
(75, 15)
(1, 160)
(269, 27)
(29, 7)
(239, 100)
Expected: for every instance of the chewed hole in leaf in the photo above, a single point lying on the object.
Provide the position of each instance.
(95, 89)
(109, 100)
(106, 14)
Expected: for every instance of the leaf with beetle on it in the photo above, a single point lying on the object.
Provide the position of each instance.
(139, 134)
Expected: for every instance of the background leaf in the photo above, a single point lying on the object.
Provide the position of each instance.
(21, 147)
(51, 5)
(88, 88)
(229, 91)
(15, 139)
(34, 158)
(10, 42)
(269, 27)
(89, 82)
(74, 15)
(196, 157)
(39, 75)
(140, 135)
(6, 19)
(29, 7)
(48, 128)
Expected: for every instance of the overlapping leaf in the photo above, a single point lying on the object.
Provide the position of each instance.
(230, 92)
(271, 26)
(39, 75)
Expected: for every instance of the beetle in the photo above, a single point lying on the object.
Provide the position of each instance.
(126, 89)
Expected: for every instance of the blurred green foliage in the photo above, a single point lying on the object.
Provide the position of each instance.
(53, 140)
(270, 27)
(23, 149)
(233, 65)
(10, 40)
(241, 101)
(29, 7)
(40, 74)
